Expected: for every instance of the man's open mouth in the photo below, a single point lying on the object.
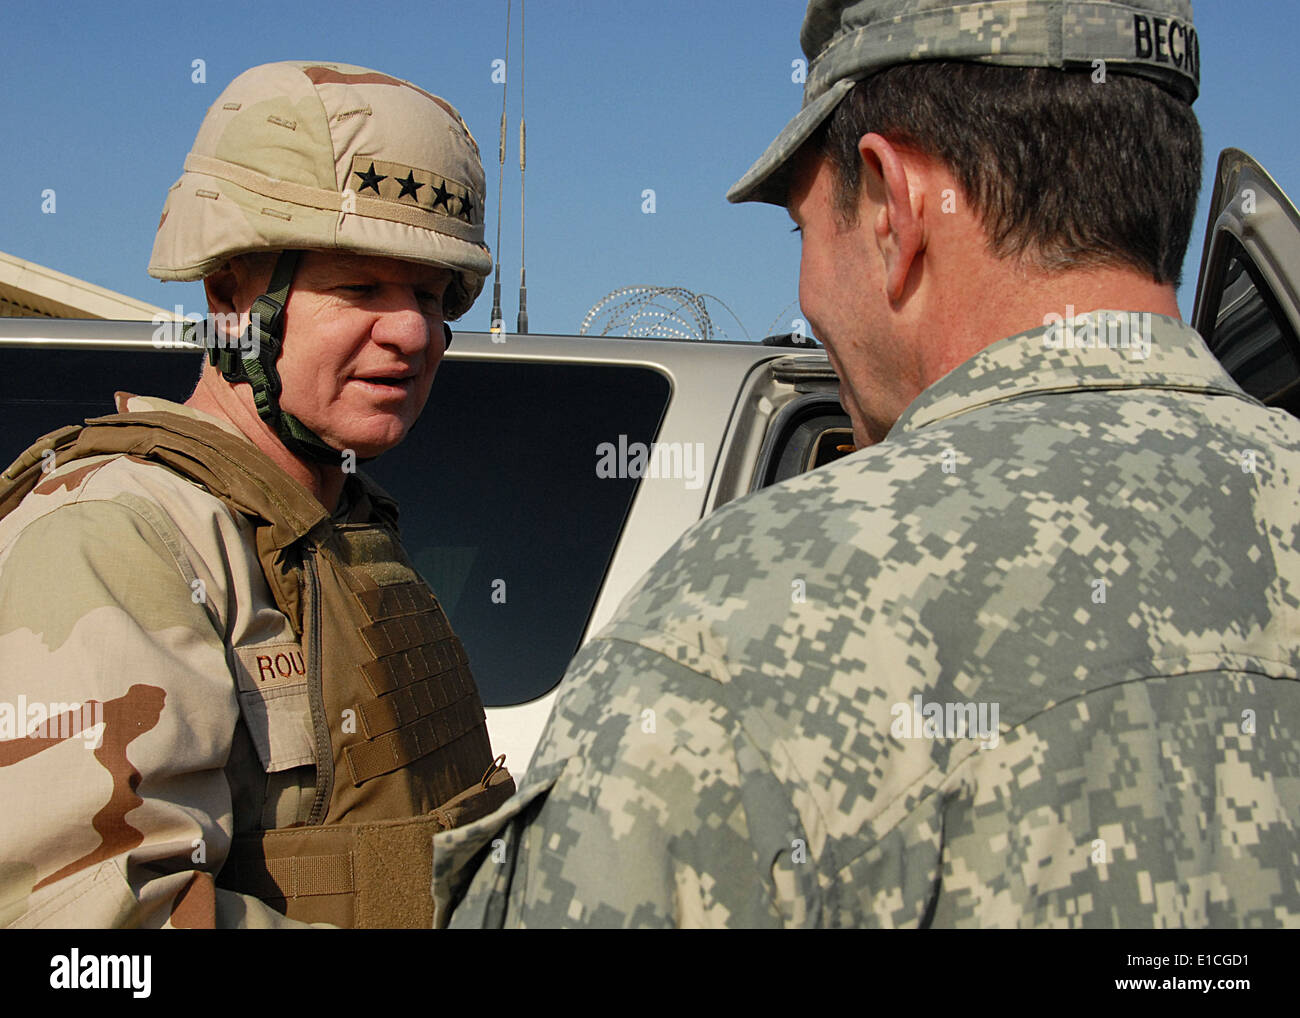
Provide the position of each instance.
(387, 385)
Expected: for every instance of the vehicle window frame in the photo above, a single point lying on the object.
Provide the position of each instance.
(802, 409)
(1228, 248)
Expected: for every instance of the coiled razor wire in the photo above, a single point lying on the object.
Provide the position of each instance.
(656, 312)
(772, 329)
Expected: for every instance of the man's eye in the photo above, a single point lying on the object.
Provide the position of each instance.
(357, 288)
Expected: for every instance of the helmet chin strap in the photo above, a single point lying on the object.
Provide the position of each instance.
(264, 334)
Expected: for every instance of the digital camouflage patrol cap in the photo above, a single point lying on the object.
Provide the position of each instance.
(305, 155)
(846, 41)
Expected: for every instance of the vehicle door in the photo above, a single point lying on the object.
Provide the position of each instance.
(1248, 291)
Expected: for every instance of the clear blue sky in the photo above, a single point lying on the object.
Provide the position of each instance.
(675, 95)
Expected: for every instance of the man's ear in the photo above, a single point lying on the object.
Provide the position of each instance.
(235, 285)
(900, 233)
(221, 287)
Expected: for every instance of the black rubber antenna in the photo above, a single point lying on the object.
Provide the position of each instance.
(497, 321)
(523, 276)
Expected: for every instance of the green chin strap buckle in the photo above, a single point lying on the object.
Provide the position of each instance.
(264, 334)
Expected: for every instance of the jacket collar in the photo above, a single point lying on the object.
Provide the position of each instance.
(1098, 350)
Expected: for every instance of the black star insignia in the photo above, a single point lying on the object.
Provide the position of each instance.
(440, 196)
(369, 179)
(467, 207)
(409, 186)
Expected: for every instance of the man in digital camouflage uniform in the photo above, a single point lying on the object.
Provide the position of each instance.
(231, 700)
(1031, 658)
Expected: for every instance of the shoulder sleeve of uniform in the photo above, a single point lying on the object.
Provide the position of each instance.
(1146, 804)
(116, 713)
(645, 805)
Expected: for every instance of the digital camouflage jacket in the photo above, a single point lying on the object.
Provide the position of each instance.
(1030, 661)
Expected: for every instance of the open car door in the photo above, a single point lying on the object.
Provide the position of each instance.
(1248, 292)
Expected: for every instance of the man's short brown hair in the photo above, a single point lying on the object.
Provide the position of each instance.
(1064, 171)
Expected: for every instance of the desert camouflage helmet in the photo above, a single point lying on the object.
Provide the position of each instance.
(303, 155)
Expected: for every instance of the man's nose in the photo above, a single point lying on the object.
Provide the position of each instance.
(405, 322)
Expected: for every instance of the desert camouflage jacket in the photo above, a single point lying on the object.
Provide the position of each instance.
(128, 598)
(1030, 661)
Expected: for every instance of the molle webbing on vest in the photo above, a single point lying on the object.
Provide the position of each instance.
(418, 696)
(364, 875)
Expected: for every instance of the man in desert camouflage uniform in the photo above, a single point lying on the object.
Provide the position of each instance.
(1031, 658)
(230, 699)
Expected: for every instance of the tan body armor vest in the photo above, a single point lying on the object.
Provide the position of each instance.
(401, 744)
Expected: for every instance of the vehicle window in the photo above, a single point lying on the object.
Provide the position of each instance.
(41, 390)
(1251, 336)
(501, 508)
